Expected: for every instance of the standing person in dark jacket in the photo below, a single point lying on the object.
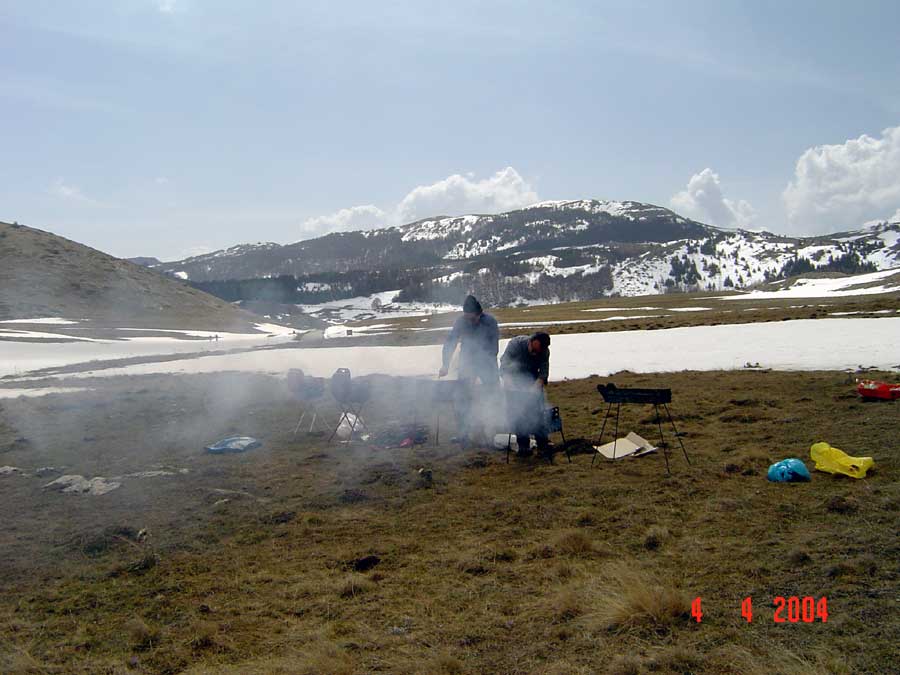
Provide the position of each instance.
(479, 336)
(525, 366)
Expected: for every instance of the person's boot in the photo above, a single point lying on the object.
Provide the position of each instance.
(545, 450)
(524, 448)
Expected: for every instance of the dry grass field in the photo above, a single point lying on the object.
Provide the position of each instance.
(263, 562)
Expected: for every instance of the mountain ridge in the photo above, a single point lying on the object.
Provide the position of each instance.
(554, 250)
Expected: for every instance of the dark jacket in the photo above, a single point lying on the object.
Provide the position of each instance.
(478, 353)
(518, 364)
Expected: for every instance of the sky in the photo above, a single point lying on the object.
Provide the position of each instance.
(169, 128)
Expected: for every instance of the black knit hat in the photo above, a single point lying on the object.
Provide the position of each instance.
(471, 305)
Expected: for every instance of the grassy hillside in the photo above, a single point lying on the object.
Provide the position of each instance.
(44, 275)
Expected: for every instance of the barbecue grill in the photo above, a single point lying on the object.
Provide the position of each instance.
(656, 397)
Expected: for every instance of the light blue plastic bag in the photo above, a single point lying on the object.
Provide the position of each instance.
(790, 470)
(233, 444)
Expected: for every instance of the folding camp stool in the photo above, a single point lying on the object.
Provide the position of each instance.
(655, 397)
(308, 392)
(312, 407)
(351, 396)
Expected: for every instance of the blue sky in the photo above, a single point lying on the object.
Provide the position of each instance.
(169, 127)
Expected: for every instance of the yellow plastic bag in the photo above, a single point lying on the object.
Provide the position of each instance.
(832, 460)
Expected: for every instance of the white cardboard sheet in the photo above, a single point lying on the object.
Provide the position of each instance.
(630, 446)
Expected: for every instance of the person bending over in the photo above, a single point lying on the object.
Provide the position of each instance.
(525, 366)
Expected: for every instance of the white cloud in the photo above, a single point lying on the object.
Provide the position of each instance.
(167, 6)
(703, 200)
(457, 195)
(363, 217)
(878, 221)
(838, 186)
(71, 193)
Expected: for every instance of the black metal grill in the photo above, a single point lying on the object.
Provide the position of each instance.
(612, 394)
(304, 387)
(347, 390)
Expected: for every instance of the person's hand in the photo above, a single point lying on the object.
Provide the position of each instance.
(442, 372)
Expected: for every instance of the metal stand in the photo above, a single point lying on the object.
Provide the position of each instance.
(655, 397)
(315, 414)
(348, 409)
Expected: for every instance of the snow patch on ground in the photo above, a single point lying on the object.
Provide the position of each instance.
(361, 308)
(806, 344)
(551, 322)
(342, 331)
(824, 288)
(877, 311)
(52, 320)
(81, 485)
(39, 335)
(620, 309)
(15, 393)
(17, 357)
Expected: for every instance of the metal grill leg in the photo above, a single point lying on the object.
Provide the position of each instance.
(338, 425)
(356, 413)
(565, 445)
(616, 435)
(662, 442)
(672, 422)
(299, 422)
(602, 429)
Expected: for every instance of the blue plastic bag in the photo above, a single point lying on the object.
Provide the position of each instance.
(233, 444)
(790, 470)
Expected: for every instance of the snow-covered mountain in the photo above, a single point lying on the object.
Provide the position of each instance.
(557, 250)
(731, 259)
(444, 240)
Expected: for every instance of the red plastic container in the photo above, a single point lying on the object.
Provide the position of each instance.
(880, 390)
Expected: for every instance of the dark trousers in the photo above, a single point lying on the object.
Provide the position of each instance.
(525, 409)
